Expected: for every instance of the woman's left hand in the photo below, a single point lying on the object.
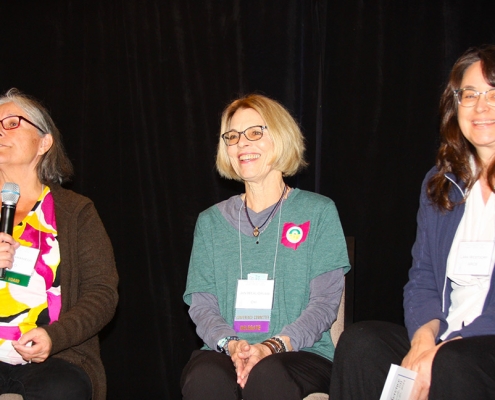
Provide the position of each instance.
(40, 348)
(245, 356)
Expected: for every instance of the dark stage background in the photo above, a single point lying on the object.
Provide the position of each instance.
(137, 88)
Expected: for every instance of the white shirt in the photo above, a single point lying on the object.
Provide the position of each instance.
(470, 290)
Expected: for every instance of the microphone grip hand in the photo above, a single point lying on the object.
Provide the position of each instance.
(6, 226)
(8, 247)
(10, 196)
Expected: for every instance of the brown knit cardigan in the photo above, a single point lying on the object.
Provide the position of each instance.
(88, 279)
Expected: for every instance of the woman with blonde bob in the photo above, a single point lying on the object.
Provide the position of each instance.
(266, 270)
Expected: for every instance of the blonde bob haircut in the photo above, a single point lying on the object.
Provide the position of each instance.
(288, 141)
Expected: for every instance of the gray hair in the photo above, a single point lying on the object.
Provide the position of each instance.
(54, 166)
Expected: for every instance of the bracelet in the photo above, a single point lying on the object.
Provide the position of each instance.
(223, 344)
(275, 345)
(281, 342)
(270, 346)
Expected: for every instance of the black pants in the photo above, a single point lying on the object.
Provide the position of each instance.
(286, 376)
(54, 379)
(462, 369)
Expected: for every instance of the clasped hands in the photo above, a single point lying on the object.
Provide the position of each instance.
(245, 356)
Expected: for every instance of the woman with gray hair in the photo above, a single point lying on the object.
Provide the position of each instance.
(59, 281)
(266, 270)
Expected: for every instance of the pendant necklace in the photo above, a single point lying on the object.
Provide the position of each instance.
(256, 229)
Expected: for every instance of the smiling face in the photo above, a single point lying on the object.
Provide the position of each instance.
(21, 147)
(477, 123)
(251, 160)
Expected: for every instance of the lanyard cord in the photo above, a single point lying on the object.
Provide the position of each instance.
(38, 214)
(240, 245)
(276, 242)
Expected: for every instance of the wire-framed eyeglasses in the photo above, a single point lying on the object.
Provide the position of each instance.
(252, 133)
(469, 97)
(14, 121)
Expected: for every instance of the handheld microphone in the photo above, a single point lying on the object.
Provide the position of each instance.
(10, 197)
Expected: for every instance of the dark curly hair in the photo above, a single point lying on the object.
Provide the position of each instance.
(455, 150)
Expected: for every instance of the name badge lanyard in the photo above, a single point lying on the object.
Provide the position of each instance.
(254, 298)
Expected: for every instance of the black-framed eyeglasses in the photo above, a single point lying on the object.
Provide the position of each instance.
(252, 133)
(469, 97)
(14, 121)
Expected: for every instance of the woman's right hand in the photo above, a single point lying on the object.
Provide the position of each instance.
(8, 247)
(420, 358)
(421, 364)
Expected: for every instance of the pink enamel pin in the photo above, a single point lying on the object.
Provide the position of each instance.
(293, 235)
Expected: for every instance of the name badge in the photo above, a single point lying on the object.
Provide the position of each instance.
(253, 305)
(473, 258)
(23, 267)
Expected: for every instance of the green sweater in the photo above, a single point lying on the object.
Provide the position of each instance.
(215, 261)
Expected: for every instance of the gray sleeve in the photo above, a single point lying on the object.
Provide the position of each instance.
(210, 325)
(321, 312)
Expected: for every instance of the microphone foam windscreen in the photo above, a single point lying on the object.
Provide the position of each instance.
(10, 193)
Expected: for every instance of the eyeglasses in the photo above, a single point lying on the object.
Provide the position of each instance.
(252, 133)
(469, 97)
(14, 121)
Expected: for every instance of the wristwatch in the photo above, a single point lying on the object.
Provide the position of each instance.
(223, 344)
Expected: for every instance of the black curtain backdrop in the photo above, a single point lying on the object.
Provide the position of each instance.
(137, 87)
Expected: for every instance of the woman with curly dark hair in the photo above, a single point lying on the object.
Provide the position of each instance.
(449, 301)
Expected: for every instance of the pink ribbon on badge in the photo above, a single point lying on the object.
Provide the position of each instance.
(293, 235)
